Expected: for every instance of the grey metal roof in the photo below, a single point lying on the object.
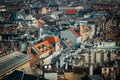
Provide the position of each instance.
(12, 60)
(67, 34)
(65, 22)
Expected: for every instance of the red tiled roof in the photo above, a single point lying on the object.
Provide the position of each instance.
(77, 34)
(70, 12)
(41, 21)
(102, 7)
(46, 43)
(49, 41)
(52, 40)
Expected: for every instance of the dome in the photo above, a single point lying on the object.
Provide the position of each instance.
(16, 16)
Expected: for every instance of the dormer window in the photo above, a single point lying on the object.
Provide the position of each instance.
(42, 49)
(51, 47)
(39, 47)
(39, 50)
(46, 48)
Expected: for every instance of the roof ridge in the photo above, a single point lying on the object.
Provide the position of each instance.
(74, 32)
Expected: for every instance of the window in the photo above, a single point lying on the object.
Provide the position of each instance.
(39, 47)
(46, 48)
(38, 50)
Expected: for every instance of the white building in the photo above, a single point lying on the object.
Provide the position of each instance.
(31, 21)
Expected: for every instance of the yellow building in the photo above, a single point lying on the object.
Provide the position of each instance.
(111, 29)
(44, 10)
(85, 32)
(69, 75)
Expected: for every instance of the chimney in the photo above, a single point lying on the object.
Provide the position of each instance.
(49, 67)
(66, 65)
(91, 69)
(45, 67)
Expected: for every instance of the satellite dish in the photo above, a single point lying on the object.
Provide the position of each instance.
(49, 67)
(45, 66)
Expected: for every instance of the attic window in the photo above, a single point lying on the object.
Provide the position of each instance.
(42, 50)
(38, 50)
(39, 47)
(43, 45)
(46, 48)
(51, 47)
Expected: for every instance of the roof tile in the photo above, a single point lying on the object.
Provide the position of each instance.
(77, 33)
(70, 12)
(45, 43)
(52, 40)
